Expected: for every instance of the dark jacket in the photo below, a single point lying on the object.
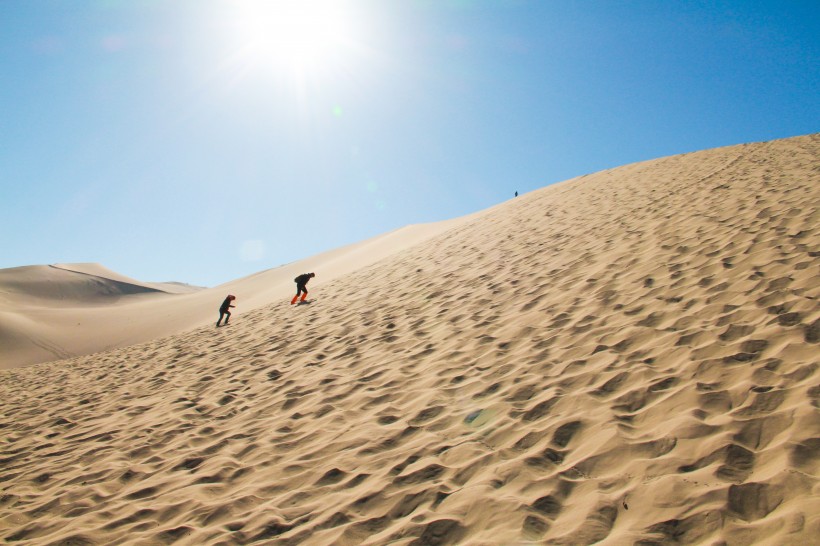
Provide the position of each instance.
(225, 305)
(302, 279)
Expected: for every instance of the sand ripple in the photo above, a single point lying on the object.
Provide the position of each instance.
(629, 357)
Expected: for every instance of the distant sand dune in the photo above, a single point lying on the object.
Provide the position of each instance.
(103, 272)
(629, 357)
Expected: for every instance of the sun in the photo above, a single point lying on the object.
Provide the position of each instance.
(303, 36)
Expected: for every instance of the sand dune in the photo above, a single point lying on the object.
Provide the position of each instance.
(629, 357)
(65, 310)
(57, 282)
(100, 271)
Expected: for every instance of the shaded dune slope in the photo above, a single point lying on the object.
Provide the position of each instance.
(30, 294)
(629, 357)
(98, 270)
(56, 282)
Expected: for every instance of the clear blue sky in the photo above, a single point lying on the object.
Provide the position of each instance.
(204, 140)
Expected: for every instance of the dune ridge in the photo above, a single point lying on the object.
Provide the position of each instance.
(97, 270)
(629, 357)
(57, 282)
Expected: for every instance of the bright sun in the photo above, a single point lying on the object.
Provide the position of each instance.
(304, 36)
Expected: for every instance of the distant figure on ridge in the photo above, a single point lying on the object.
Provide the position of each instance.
(301, 286)
(223, 309)
(516, 194)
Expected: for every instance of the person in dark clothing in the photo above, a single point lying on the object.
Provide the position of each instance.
(301, 286)
(223, 309)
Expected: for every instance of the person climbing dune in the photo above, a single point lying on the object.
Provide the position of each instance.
(223, 309)
(301, 286)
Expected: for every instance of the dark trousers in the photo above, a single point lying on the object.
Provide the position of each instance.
(301, 288)
(222, 314)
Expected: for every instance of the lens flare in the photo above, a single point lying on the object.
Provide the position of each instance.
(252, 250)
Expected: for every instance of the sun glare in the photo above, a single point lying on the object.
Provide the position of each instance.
(305, 36)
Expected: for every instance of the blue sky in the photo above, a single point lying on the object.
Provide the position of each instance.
(202, 141)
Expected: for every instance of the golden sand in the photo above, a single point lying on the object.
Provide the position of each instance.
(629, 357)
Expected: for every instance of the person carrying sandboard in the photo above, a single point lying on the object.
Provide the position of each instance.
(301, 286)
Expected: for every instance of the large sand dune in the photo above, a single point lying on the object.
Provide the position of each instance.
(629, 357)
(65, 310)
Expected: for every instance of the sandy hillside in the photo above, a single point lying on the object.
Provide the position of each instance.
(97, 270)
(630, 357)
(49, 312)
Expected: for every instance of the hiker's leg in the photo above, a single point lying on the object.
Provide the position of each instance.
(299, 289)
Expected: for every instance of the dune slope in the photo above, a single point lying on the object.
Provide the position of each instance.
(98, 270)
(65, 310)
(629, 357)
(43, 308)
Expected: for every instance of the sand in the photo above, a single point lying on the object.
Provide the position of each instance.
(629, 357)
(58, 311)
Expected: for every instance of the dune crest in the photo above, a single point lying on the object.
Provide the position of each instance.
(629, 357)
(98, 270)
